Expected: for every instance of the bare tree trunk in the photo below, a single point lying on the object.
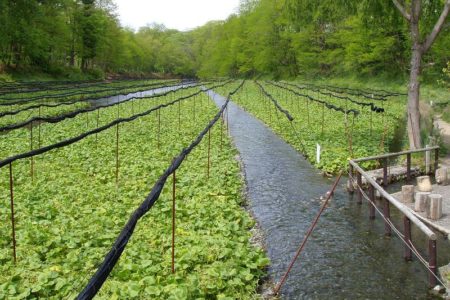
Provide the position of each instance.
(413, 101)
(412, 14)
(414, 85)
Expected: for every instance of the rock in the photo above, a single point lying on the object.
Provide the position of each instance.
(434, 207)
(442, 176)
(424, 184)
(438, 290)
(408, 193)
(421, 201)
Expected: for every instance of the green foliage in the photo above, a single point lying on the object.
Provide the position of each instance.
(277, 39)
(341, 139)
(69, 216)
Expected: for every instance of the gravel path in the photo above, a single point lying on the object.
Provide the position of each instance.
(445, 134)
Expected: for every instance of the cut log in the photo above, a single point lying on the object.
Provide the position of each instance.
(434, 207)
(421, 201)
(442, 176)
(424, 184)
(408, 193)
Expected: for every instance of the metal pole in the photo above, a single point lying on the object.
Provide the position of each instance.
(159, 126)
(39, 129)
(173, 220)
(323, 116)
(407, 226)
(98, 116)
(31, 158)
(221, 131)
(209, 150)
(432, 250)
(179, 116)
(117, 154)
(372, 202)
(308, 234)
(13, 223)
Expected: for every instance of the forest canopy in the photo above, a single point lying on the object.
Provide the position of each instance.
(280, 39)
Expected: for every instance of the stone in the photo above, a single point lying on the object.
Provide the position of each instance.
(442, 176)
(408, 193)
(424, 184)
(438, 290)
(434, 207)
(421, 201)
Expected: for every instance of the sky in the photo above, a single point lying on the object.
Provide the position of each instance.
(174, 14)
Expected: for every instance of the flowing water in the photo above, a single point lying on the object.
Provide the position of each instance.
(148, 93)
(347, 256)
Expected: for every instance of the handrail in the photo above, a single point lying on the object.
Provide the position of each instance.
(427, 231)
(394, 154)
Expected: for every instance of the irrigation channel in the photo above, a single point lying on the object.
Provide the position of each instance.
(148, 93)
(347, 256)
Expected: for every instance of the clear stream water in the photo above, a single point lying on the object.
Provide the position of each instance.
(121, 98)
(347, 256)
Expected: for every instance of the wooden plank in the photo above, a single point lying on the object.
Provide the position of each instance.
(395, 154)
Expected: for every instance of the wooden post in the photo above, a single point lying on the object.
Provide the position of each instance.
(427, 161)
(408, 166)
(13, 223)
(387, 215)
(432, 252)
(359, 182)
(350, 179)
(372, 202)
(436, 159)
(385, 172)
(407, 234)
(173, 221)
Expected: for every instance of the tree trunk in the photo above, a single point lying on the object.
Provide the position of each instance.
(414, 85)
(413, 101)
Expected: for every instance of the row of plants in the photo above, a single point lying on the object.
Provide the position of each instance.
(32, 93)
(41, 112)
(69, 214)
(341, 136)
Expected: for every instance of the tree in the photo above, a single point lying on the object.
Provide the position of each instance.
(412, 13)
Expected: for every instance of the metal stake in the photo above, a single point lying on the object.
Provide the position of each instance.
(117, 154)
(173, 220)
(209, 150)
(13, 223)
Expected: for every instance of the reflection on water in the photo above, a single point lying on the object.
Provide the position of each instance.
(120, 98)
(347, 256)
